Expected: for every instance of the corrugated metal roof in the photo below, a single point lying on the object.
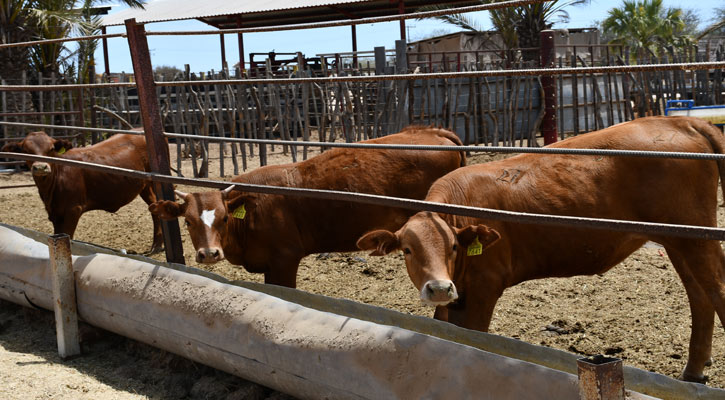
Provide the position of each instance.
(170, 10)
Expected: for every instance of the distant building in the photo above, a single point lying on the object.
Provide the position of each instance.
(466, 48)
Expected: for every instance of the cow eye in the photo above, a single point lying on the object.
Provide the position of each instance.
(455, 247)
(186, 222)
(406, 250)
(225, 219)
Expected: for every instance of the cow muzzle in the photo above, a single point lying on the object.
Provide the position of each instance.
(40, 169)
(209, 255)
(438, 292)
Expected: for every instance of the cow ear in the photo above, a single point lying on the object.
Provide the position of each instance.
(62, 145)
(167, 210)
(13, 147)
(241, 205)
(381, 242)
(486, 236)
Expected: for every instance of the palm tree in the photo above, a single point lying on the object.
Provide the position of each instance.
(24, 20)
(520, 27)
(28, 20)
(718, 26)
(646, 24)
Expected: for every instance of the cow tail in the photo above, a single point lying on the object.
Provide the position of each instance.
(456, 140)
(717, 141)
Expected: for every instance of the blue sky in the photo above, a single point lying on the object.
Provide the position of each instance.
(203, 52)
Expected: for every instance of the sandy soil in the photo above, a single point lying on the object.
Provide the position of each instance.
(638, 312)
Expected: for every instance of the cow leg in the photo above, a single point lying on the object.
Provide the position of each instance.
(283, 273)
(441, 313)
(148, 195)
(703, 320)
(478, 305)
(67, 222)
(706, 262)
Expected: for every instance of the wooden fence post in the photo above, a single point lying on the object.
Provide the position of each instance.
(548, 85)
(401, 66)
(156, 145)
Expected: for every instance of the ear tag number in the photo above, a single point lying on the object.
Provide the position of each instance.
(240, 212)
(61, 151)
(475, 248)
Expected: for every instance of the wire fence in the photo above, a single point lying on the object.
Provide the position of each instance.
(686, 231)
(374, 146)
(347, 102)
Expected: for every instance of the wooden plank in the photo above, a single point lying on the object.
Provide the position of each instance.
(4, 104)
(260, 126)
(608, 100)
(617, 96)
(217, 113)
(575, 93)
(52, 103)
(176, 120)
(560, 103)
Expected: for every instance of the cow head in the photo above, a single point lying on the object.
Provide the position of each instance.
(39, 144)
(206, 216)
(431, 247)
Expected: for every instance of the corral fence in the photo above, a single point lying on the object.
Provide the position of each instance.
(493, 110)
(401, 85)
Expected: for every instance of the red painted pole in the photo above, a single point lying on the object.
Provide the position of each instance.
(156, 145)
(548, 85)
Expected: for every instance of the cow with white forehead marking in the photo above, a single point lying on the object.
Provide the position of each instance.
(462, 265)
(271, 233)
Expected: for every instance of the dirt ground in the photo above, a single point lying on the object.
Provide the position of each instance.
(637, 312)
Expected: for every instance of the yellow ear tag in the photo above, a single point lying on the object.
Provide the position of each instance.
(61, 151)
(240, 212)
(475, 248)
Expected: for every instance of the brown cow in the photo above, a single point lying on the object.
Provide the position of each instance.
(436, 246)
(68, 192)
(272, 233)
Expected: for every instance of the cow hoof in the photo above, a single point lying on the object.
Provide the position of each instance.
(700, 378)
(155, 250)
(708, 363)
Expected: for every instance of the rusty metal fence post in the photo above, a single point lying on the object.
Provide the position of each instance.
(64, 296)
(600, 378)
(156, 145)
(548, 85)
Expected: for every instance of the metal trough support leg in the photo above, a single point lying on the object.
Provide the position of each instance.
(64, 296)
(600, 378)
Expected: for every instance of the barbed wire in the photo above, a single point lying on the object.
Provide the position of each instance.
(468, 148)
(687, 231)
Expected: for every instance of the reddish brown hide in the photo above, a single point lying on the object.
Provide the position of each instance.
(465, 287)
(68, 192)
(275, 232)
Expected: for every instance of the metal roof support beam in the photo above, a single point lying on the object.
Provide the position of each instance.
(240, 43)
(224, 53)
(354, 46)
(105, 53)
(401, 10)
